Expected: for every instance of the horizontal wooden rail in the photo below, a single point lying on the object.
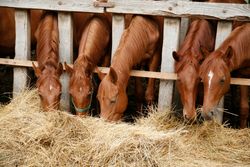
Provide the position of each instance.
(58, 5)
(135, 73)
(170, 8)
(206, 10)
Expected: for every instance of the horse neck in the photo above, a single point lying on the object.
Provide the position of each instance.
(239, 41)
(47, 41)
(94, 40)
(134, 47)
(200, 33)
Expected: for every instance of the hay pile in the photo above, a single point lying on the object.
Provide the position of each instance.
(32, 138)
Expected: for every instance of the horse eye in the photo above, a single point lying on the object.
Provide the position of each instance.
(222, 81)
(112, 101)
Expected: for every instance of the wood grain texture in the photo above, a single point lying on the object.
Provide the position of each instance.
(65, 26)
(170, 42)
(183, 9)
(22, 49)
(59, 5)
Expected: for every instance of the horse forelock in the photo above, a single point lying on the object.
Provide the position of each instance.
(211, 62)
(187, 60)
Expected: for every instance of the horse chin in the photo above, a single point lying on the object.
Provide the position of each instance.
(112, 118)
(82, 114)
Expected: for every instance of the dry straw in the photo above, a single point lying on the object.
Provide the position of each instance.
(30, 137)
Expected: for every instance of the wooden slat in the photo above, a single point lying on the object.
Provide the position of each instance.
(170, 42)
(59, 5)
(65, 25)
(22, 49)
(183, 9)
(136, 73)
(117, 30)
(223, 30)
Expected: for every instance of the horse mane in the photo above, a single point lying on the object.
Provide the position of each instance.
(190, 52)
(134, 44)
(47, 40)
(98, 29)
(238, 41)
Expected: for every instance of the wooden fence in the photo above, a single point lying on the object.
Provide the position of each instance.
(174, 12)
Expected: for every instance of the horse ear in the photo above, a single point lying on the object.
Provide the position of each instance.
(229, 53)
(68, 69)
(37, 70)
(59, 69)
(113, 75)
(99, 73)
(176, 56)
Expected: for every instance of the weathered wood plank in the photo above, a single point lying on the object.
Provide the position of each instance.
(118, 26)
(22, 49)
(65, 25)
(223, 30)
(59, 5)
(135, 73)
(183, 9)
(170, 43)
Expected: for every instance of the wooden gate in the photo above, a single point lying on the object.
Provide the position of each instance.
(175, 14)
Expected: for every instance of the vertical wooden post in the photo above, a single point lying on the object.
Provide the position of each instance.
(223, 30)
(22, 48)
(171, 34)
(65, 25)
(118, 25)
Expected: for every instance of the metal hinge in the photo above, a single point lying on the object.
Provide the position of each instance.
(104, 4)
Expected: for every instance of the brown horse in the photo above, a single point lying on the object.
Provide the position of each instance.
(200, 38)
(136, 45)
(201, 34)
(49, 69)
(94, 48)
(7, 30)
(233, 53)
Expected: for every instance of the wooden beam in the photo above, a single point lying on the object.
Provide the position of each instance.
(183, 9)
(59, 5)
(22, 49)
(118, 25)
(135, 73)
(170, 42)
(224, 28)
(65, 25)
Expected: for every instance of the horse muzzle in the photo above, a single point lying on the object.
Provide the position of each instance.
(209, 114)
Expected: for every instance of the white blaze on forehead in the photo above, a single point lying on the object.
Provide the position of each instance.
(50, 87)
(80, 89)
(210, 76)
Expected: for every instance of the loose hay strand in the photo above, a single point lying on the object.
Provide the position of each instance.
(30, 137)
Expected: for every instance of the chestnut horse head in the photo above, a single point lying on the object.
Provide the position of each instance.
(94, 47)
(81, 85)
(112, 96)
(200, 37)
(232, 54)
(49, 69)
(136, 45)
